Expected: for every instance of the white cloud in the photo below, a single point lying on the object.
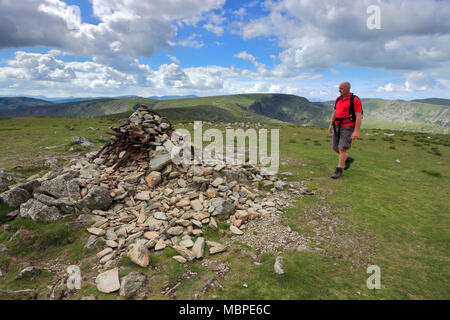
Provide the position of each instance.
(127, 27)
(190, 42)
(317, 35)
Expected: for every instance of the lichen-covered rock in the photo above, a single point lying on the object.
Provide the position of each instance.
(159, 161)
(139, 255)
(97, 198)
(223, 208)
(132, 284)
(60, 188)
(108, 281)
(37, 211)
(15, 197)
(5, 181)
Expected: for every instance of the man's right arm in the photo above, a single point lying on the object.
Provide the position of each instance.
(333, 117)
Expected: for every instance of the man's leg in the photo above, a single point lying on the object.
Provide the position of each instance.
(342, 158)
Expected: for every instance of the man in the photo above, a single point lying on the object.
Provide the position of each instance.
(344, 127)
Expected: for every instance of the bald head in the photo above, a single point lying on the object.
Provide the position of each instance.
(344, 88)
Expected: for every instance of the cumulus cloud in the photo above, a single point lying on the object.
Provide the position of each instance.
(317, 35)
(33, 66)
(127, 27)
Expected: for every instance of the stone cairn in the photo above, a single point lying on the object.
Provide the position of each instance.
(136, 199)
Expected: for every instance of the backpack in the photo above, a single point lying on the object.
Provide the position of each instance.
(351, 110)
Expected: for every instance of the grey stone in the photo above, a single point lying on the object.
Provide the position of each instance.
(28, 272)
(108, 281)
(234, 175)
(80, 140)
(37, 211)
(4, 251)
(5, 181)
(132, 284)
(15, 197)
(64, 206)
(97, 198)
(199, 248)
(139, 255)
(223, 208)
(91, 241)
(236, 230)
(27, 294)
(278, 266)
(279, 185)
(52, 163)
(111, 235)
(74, 225)
(60, 188)
(160, 215)
(159, 161)
(186, 243)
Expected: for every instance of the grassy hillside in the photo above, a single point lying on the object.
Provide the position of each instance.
(438, 101)
(402, 115)
(282, 107)
(393, 214)
(265, 108)
(90, 108)
(14, 103)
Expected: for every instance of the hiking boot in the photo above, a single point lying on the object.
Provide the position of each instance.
(338, 173)
(348, 162)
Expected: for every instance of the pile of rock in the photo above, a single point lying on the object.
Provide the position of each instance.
(150, 203)
(136, 137)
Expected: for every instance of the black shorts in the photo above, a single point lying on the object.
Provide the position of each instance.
(345, 140)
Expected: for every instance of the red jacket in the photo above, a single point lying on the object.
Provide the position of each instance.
(342, 110)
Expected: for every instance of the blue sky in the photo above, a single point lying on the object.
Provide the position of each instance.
(59, 48)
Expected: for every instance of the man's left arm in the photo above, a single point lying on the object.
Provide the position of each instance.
(358, 112)
(355, 133)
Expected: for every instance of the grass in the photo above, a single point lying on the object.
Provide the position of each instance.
(394, 215)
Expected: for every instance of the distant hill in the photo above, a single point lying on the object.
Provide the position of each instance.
(264, 108)
(173, 97)
(402, 115)
(14, 103)
(438, 101)
(89, 108)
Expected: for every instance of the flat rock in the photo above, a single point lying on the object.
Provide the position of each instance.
(278, 266)
(96, 231)
(4, 251)
(15, 197)
(108, 281)
(104, 252)
(223, 208)
(153, 179)
(199, 248)
(97, 198)
(186, 243)
(196, 205)
(175, 231)
(132, 284)
(186, 253)
(236, 230)
(143, 196)
(27, 294)
(159, 215)
(28, 272)
(160, 245)
(180, 259)
(37, 211)
(159, 161)
(214, 250)
(139, 255)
